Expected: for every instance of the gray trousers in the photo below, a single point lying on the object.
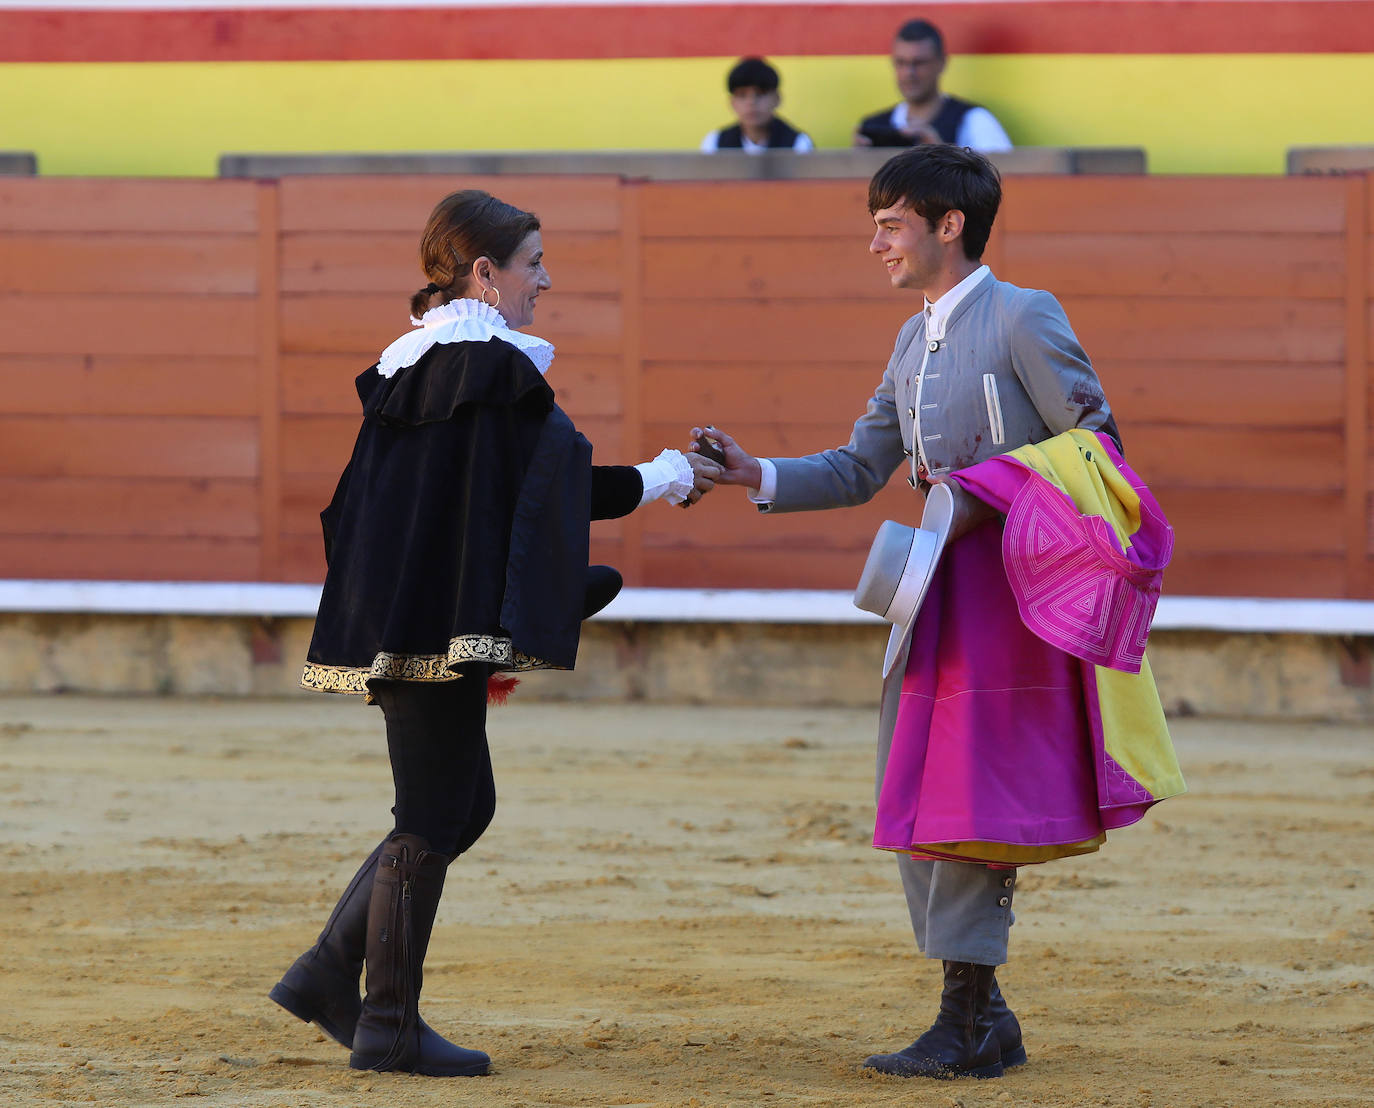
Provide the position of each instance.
(960, 911)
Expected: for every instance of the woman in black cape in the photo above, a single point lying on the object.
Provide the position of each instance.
(457, 547)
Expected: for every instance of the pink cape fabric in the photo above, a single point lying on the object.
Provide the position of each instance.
(998, 736)
(1074, 585)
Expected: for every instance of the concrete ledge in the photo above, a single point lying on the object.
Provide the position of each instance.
(668, 165)
(1330, 159)
(1204, 673)
(271, 599)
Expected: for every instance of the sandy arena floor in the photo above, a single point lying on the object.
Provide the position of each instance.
(674, 907)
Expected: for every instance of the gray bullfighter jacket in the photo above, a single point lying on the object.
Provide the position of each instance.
(1009, 372)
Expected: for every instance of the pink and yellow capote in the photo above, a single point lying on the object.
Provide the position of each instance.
(1029, 723)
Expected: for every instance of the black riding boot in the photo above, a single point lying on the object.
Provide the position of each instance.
(962, 1042)
(390, 1034)
(321, 986)
(1007, 1028)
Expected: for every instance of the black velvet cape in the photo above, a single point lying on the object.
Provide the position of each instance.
(458, 532)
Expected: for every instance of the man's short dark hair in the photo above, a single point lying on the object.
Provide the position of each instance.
(752, 73)
(932, 179)
(919, 30)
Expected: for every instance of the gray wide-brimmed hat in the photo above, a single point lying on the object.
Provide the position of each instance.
(900, 567)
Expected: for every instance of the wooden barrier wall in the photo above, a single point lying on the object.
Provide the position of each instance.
(176, 361)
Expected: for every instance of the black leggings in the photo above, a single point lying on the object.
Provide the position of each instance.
(436, 735)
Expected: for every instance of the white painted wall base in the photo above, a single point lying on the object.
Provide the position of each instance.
(232, 598)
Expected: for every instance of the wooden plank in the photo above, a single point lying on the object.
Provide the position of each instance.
(749, 209)
(631, 272)
(122, 204)
(780, 437)
(341, 261)
(322, 384)
(1255, 573)
(92, 262)
(589, 385)
(607, 434)
(1188, 393)
(674, 567)
(123, 558)
(130, 507)
(778, 331)
(738, 394)
(301, 559)
(303, 497)
(195, 326)
(1238, 329)
(606, 551)
(127, 446)
(994, 254)
(1172, 205)
(1221, 329)
(403, 203)
(366, 325)
(1201, 394)
(714, 267)
(1237, 458)
(1359, 574)
(726, 520)
(269, 381)
(1244, 521)
(1250, 263)
(317, 445)
(148, 385)
(388, 262)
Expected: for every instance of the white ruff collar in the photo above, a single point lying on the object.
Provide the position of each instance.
(461, 321)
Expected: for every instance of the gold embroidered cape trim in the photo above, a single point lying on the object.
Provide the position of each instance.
(498, 652)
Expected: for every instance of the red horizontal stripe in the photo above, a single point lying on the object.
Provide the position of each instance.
(628, 31)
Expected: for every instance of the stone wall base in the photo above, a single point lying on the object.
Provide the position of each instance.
(1203, 673)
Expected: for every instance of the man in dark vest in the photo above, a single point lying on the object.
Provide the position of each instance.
(925, 113)
(754, 98)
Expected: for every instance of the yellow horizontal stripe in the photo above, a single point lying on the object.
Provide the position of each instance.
(1192, 113)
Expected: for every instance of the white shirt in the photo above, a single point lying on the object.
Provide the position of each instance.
(978, 130)
(938, 313)
(801, 145)
(937, 320)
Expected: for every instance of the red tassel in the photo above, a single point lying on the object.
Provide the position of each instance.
(499, 688)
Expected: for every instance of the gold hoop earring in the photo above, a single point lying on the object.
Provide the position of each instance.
(494, 289)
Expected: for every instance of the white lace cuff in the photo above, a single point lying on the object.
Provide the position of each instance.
(668, 476)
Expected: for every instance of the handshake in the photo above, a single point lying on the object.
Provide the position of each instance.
(716, 459)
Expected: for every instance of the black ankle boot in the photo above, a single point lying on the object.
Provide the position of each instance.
(321, 987)
(1007, 1028)
(962, 1042)
(390, 1034)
